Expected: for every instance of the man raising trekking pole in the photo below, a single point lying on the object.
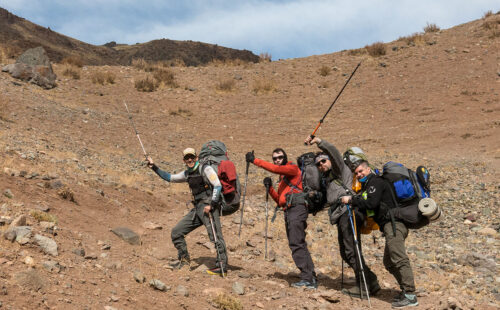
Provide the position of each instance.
(295, 209)
(206, 188)
(338, 179)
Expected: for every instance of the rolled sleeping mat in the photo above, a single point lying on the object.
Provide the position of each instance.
(429, 209)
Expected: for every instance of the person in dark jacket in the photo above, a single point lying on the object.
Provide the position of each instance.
(338, 179)
(289, 197)
(377, 196)
(206, 190)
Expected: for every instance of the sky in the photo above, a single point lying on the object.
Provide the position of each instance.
(281, 28)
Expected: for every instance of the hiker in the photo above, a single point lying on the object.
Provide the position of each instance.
(338, 177)
(295, 209)
(205, 187)
(377, 196)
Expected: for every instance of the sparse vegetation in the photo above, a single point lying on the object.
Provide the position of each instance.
(265, 57)
(66, 193)
(181, 112)
(324, 70)
(376, 49)
(414, 39)
(225, 85)
(102, 78)
(488, 14)
(43, 216)
(73, 60)
(147, 84)
(139, 63)
(357, 52)
(263, 86)
(177, 62)
(72, 72)
(227, 302)
(166, 77)
(431, 28)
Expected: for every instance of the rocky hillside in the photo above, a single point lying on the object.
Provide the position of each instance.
(72, 172)
(18, 34)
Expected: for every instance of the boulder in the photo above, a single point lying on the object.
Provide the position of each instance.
(33, 66)
(127, 234)
(30, 279)
(48, 245)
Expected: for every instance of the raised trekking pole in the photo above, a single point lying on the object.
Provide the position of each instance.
(216, 241)
(358, 251)
(135, 129)
(244, 195)
(267, 215)
(331, 106)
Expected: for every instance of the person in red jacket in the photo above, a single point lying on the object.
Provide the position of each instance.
(290, 198)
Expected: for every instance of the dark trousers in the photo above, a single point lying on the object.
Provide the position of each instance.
(348, 249)
(194, 219)
(296, 224)
(396, 260)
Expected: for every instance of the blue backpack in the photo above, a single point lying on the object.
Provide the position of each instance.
(408, 187)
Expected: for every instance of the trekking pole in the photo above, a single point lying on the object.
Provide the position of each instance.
(135, 129)
(331, 106)
(342, 279)
(356, 244)
(244, 195)
(267, 215)
(216, 241)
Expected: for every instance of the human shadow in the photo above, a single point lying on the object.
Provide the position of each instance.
(210, 262)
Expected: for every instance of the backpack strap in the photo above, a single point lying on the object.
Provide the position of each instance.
(396, 204)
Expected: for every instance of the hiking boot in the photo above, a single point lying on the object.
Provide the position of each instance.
(356, 293)
(306, 284)
(217, 271)
(407, 300)
(399, 296)
(180, 263)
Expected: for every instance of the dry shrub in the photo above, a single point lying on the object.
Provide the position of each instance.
(376, 49)
(491, 24)
(324, 71)
(181, 112)
(66, 193)
(431, 28)
(73, 60)
(414, 39)
(72, 72)
(488, 14)
(357, 52)
(43, 216)
(147, 84)
(225, 85)
(265, 57)
(139, 63)
(176, 62)
(263, 86)
(103, 78)
(166, 77)
(227, 302)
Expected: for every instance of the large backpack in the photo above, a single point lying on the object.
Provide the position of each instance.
(214, 154)
(312, 183)
(411, 195)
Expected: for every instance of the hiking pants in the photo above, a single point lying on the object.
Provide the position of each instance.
(396, 260)
(348, 249)
(296, 224)
(194, 219)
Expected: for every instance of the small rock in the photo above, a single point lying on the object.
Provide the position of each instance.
(139, 276)
(151, 225)
(114, 298)
(23, 234)
(29, 279)
(109, 308)
(127, 234)
(213, 291)
(8, 193)
(52, 266)
(43, 208)
(28, 260)
(158, 285)
(244, 275)
(48, 245)
(259, 305)
(182, 291)
(19, 221)
(238, 288)
(55, 184)
(78, 251)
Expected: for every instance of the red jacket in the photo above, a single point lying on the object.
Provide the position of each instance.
(290, 171)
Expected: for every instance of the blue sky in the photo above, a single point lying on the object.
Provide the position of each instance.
(282, 28)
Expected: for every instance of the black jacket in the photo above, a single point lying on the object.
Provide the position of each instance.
(376, 196)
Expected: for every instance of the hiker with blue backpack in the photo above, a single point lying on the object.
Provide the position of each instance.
(206, 189)
(337, 179)
(378, 196)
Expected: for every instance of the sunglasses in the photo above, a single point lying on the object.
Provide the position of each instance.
(319, 163)
(189, 157)
(278, 157)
